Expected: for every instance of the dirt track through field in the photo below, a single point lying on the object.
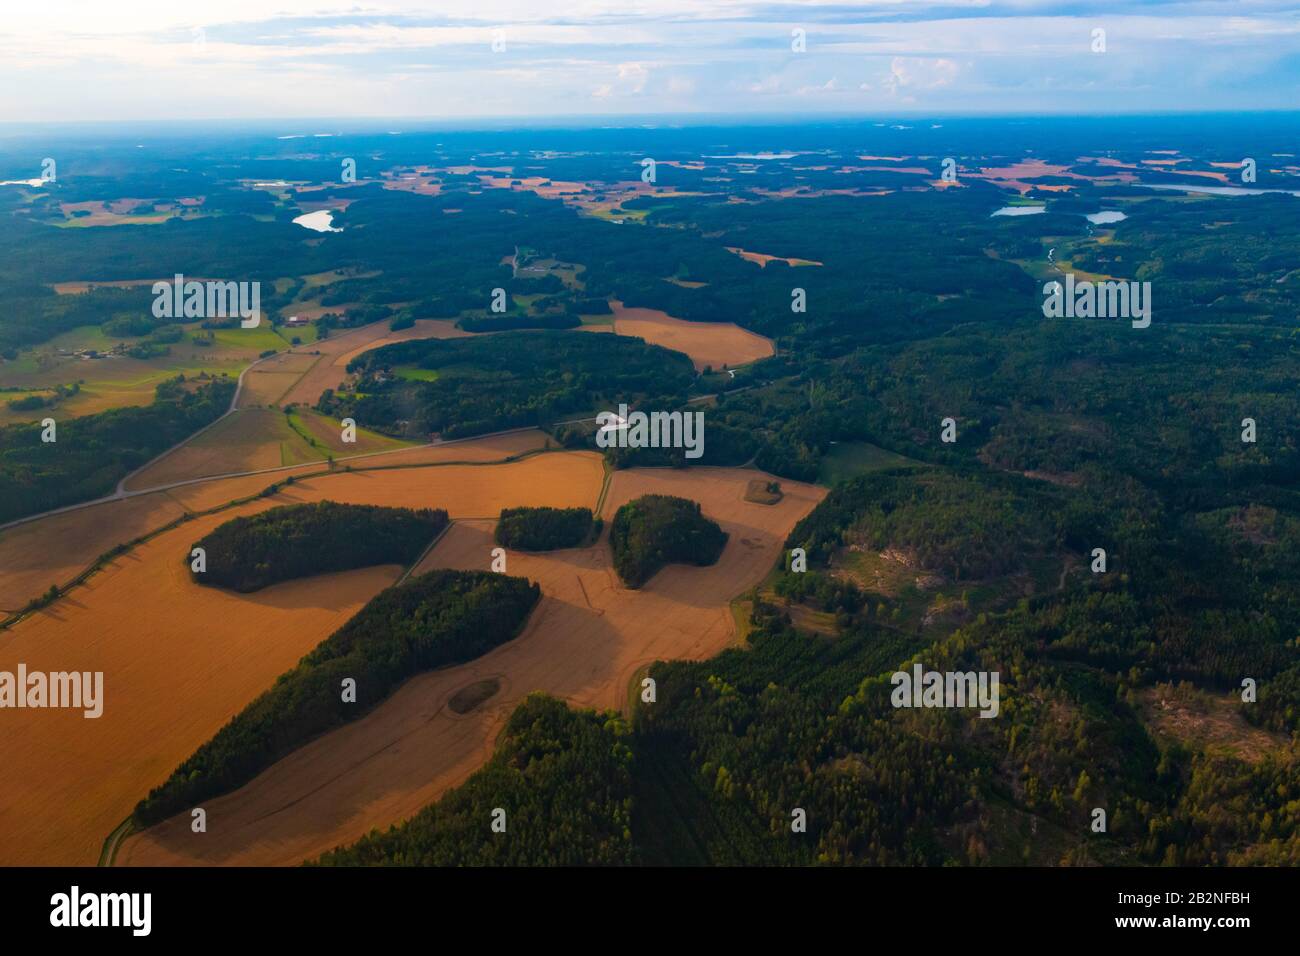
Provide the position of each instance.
(584, 643)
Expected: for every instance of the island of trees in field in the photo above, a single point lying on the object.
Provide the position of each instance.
(436, 619)
(545, 529)
(654, 530)
(461, 387)
(296, 541)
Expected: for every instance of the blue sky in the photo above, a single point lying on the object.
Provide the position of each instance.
(77, 60)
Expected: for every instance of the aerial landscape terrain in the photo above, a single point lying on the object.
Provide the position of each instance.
(321, 446)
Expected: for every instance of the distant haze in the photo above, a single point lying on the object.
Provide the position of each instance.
(74, 60)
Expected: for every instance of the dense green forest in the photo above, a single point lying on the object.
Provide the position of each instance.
(545, 529)
(564, 781)
(295, 541)
(91, 454)
(654, 530)
(505, 381)
(429, 621)
(734, 745)
(882, 785)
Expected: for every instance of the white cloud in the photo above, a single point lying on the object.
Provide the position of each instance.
(135, 59)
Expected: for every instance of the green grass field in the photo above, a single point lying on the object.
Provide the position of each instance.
(319, 435)
(851, 458)
(121, 381)
(415, 374)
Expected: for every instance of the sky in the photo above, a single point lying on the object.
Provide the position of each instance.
(143, 60)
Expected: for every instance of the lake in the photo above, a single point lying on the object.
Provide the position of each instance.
(1218, 190)
(319, 221)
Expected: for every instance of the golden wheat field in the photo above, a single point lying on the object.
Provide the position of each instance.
(709, 344)
(556, 479)
(56, 549)
(270, 378)
(179, 659)
(256, 439)
(587, 639)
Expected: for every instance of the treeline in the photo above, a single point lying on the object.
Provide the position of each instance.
(434, 620)
(508, 323)
(295, 541)
(563, 779)
(654, 530)
(545, 529)
(506, 381)
(35, 313)
(91, 454)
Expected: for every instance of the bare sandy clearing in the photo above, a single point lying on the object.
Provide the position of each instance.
(1204, 721)
(763, 258)
(584, 643)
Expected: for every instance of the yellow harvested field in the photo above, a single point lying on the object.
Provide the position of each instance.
(709, 344)
(557, 480)
(76, 288)
(204, 495)
(56, 549)
(487, 448)
(330, 368)
(265, 387)
(209, 494)
(179, 659)
(763, 259)
(272, 377)
(247, 440)
(254, 439)
(95, 395)
(584, 643)
(423, 329)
